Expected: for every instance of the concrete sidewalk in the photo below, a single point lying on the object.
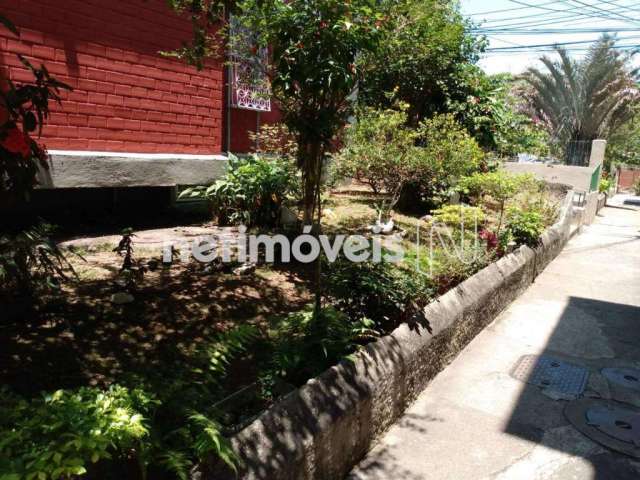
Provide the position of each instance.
(475, 421)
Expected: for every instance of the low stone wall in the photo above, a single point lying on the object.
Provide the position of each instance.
(595, 201)
(578, 177)
(326, 427)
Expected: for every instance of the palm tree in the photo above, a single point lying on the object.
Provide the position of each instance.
(583, 100)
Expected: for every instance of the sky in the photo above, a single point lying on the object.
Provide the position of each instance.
(519, 31)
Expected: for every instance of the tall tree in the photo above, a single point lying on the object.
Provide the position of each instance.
(315, 46)
(582, 100)
(426, 58)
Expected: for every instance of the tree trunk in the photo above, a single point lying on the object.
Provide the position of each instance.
(310, 162)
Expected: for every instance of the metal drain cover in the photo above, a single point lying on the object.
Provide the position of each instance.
(624, 377)
(618, 422)
(552, 374)
(612, 424)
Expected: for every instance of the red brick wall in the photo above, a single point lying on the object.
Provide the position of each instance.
(126, 97)
(244, 122)
(627, 178)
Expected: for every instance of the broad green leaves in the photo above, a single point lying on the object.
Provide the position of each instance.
(251, 192)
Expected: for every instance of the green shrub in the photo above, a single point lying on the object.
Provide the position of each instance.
(636, 187)
(251, 191)
(447, 154)
(60, 435)
(455, 215)
(306, 344)
(499, 185)
(524, 227)
(63, 434)
(413, 166)
(275, 139)
(450, 268)
(30, 259)
(380, 291)
(605, 185)
(377, 151)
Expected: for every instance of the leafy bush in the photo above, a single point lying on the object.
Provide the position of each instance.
(30, 259)
(131, 270)
(377, 151)
(605, 185)
(186, 427)
(501, 186)
(636, 187)
(251, 192)
(413, 167)
(60, 435)
(380, 291)
(21, 156)
(306, 344)
(448, 153)
(63, 434)
(451, 268)
(524, 227)
(455, 215)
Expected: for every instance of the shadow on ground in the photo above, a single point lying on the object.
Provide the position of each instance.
(540, 420)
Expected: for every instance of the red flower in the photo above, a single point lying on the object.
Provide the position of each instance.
(17, 142)
(491, 239)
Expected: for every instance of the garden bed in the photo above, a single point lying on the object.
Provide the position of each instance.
(323, 429)
(228, 345)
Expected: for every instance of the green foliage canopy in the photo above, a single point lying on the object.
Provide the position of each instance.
(425, 58)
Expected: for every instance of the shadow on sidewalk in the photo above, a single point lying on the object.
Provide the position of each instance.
(614, 330)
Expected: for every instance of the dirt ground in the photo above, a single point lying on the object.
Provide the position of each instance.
(83, 338)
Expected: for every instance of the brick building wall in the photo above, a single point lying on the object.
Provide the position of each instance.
(627, 177)
(244, 122)
(126, 98)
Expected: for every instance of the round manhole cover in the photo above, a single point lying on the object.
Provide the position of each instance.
(612, 424)
(618, 422)
(624, 377)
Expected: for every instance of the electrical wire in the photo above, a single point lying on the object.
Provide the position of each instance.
(507, 10)
(595, 8)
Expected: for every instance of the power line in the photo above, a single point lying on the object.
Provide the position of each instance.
(506, 10)
(553, 31)
(537, 15)
(573, 14)
(553, 45)
(541, 7)
(632, 48)
(626, 7)
(608, 13)
(549, 21)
